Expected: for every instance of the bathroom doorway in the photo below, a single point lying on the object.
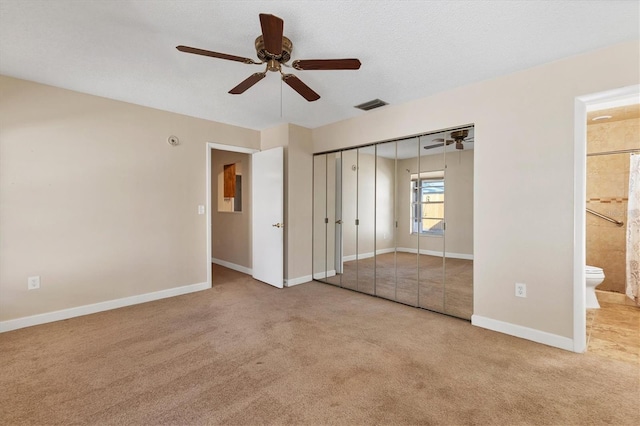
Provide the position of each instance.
(610, 136)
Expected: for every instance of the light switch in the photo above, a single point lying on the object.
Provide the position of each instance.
(200, 209)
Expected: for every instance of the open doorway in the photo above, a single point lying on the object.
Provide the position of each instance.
(228, 208)
(583, 104)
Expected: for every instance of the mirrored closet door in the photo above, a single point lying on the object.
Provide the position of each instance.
(406, 240)
(395, 220)
(385, 221)
(428, 190)
(366, 219)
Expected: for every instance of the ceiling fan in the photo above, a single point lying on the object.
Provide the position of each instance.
(274, 50)
(459, 136)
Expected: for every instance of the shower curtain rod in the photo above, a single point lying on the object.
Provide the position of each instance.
(620, 151)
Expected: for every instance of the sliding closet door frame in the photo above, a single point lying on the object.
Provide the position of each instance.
(314, 195)
(339, 207)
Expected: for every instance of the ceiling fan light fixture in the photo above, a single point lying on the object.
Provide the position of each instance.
(373, 104)
(264, 56)
(460, 134)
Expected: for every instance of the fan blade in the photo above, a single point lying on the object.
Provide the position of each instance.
(272, 31)
(326, 64)
(202, 52)
(296, 84)
(433, 146)
(247, 83)
(440, 143)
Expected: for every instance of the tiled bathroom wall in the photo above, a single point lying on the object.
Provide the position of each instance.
(607, 193)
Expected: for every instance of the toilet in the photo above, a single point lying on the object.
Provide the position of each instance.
(594, 276)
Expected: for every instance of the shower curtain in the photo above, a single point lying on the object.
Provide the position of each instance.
(633, 231)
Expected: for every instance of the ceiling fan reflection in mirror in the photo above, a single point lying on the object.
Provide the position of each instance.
(274, 50)
(459, 136)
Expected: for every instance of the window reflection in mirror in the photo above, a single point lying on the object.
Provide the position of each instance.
(427, 199)
(230, 188)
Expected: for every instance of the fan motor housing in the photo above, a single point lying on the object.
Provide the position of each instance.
(460, 134)
(263, 55)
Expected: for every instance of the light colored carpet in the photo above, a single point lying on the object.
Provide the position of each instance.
(245, 353)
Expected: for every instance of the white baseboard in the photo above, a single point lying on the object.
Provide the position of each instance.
(98, 307)
(447, 254)
(322, 275)
(295, 281)
(387, 250)
(367, 255)
(523, 332)
(233, 266)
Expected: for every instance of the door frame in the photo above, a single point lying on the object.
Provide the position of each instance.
(221, 147)
(582, 103)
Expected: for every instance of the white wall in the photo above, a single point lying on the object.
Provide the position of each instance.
(523, 175)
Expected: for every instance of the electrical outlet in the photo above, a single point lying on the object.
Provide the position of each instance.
(33, 283)
(201, 209)
(521, 290)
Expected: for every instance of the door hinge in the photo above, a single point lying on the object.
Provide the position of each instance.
(326, 220)
(357, 222)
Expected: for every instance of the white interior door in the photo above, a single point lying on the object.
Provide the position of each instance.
(267, 216)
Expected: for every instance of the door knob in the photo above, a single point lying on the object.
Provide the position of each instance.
(278, 225)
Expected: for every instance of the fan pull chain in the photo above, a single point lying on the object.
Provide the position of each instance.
(280, 98)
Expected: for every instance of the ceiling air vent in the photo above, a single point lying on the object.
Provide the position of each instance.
(376, 103)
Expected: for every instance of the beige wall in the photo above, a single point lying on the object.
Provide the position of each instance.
(607, 193)
(231, 231)
(94, 200)
(299, 203)
(524, 133)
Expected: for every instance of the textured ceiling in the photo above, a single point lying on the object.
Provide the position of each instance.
(125, 49)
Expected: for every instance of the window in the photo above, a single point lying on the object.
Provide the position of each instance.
(427, 203)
